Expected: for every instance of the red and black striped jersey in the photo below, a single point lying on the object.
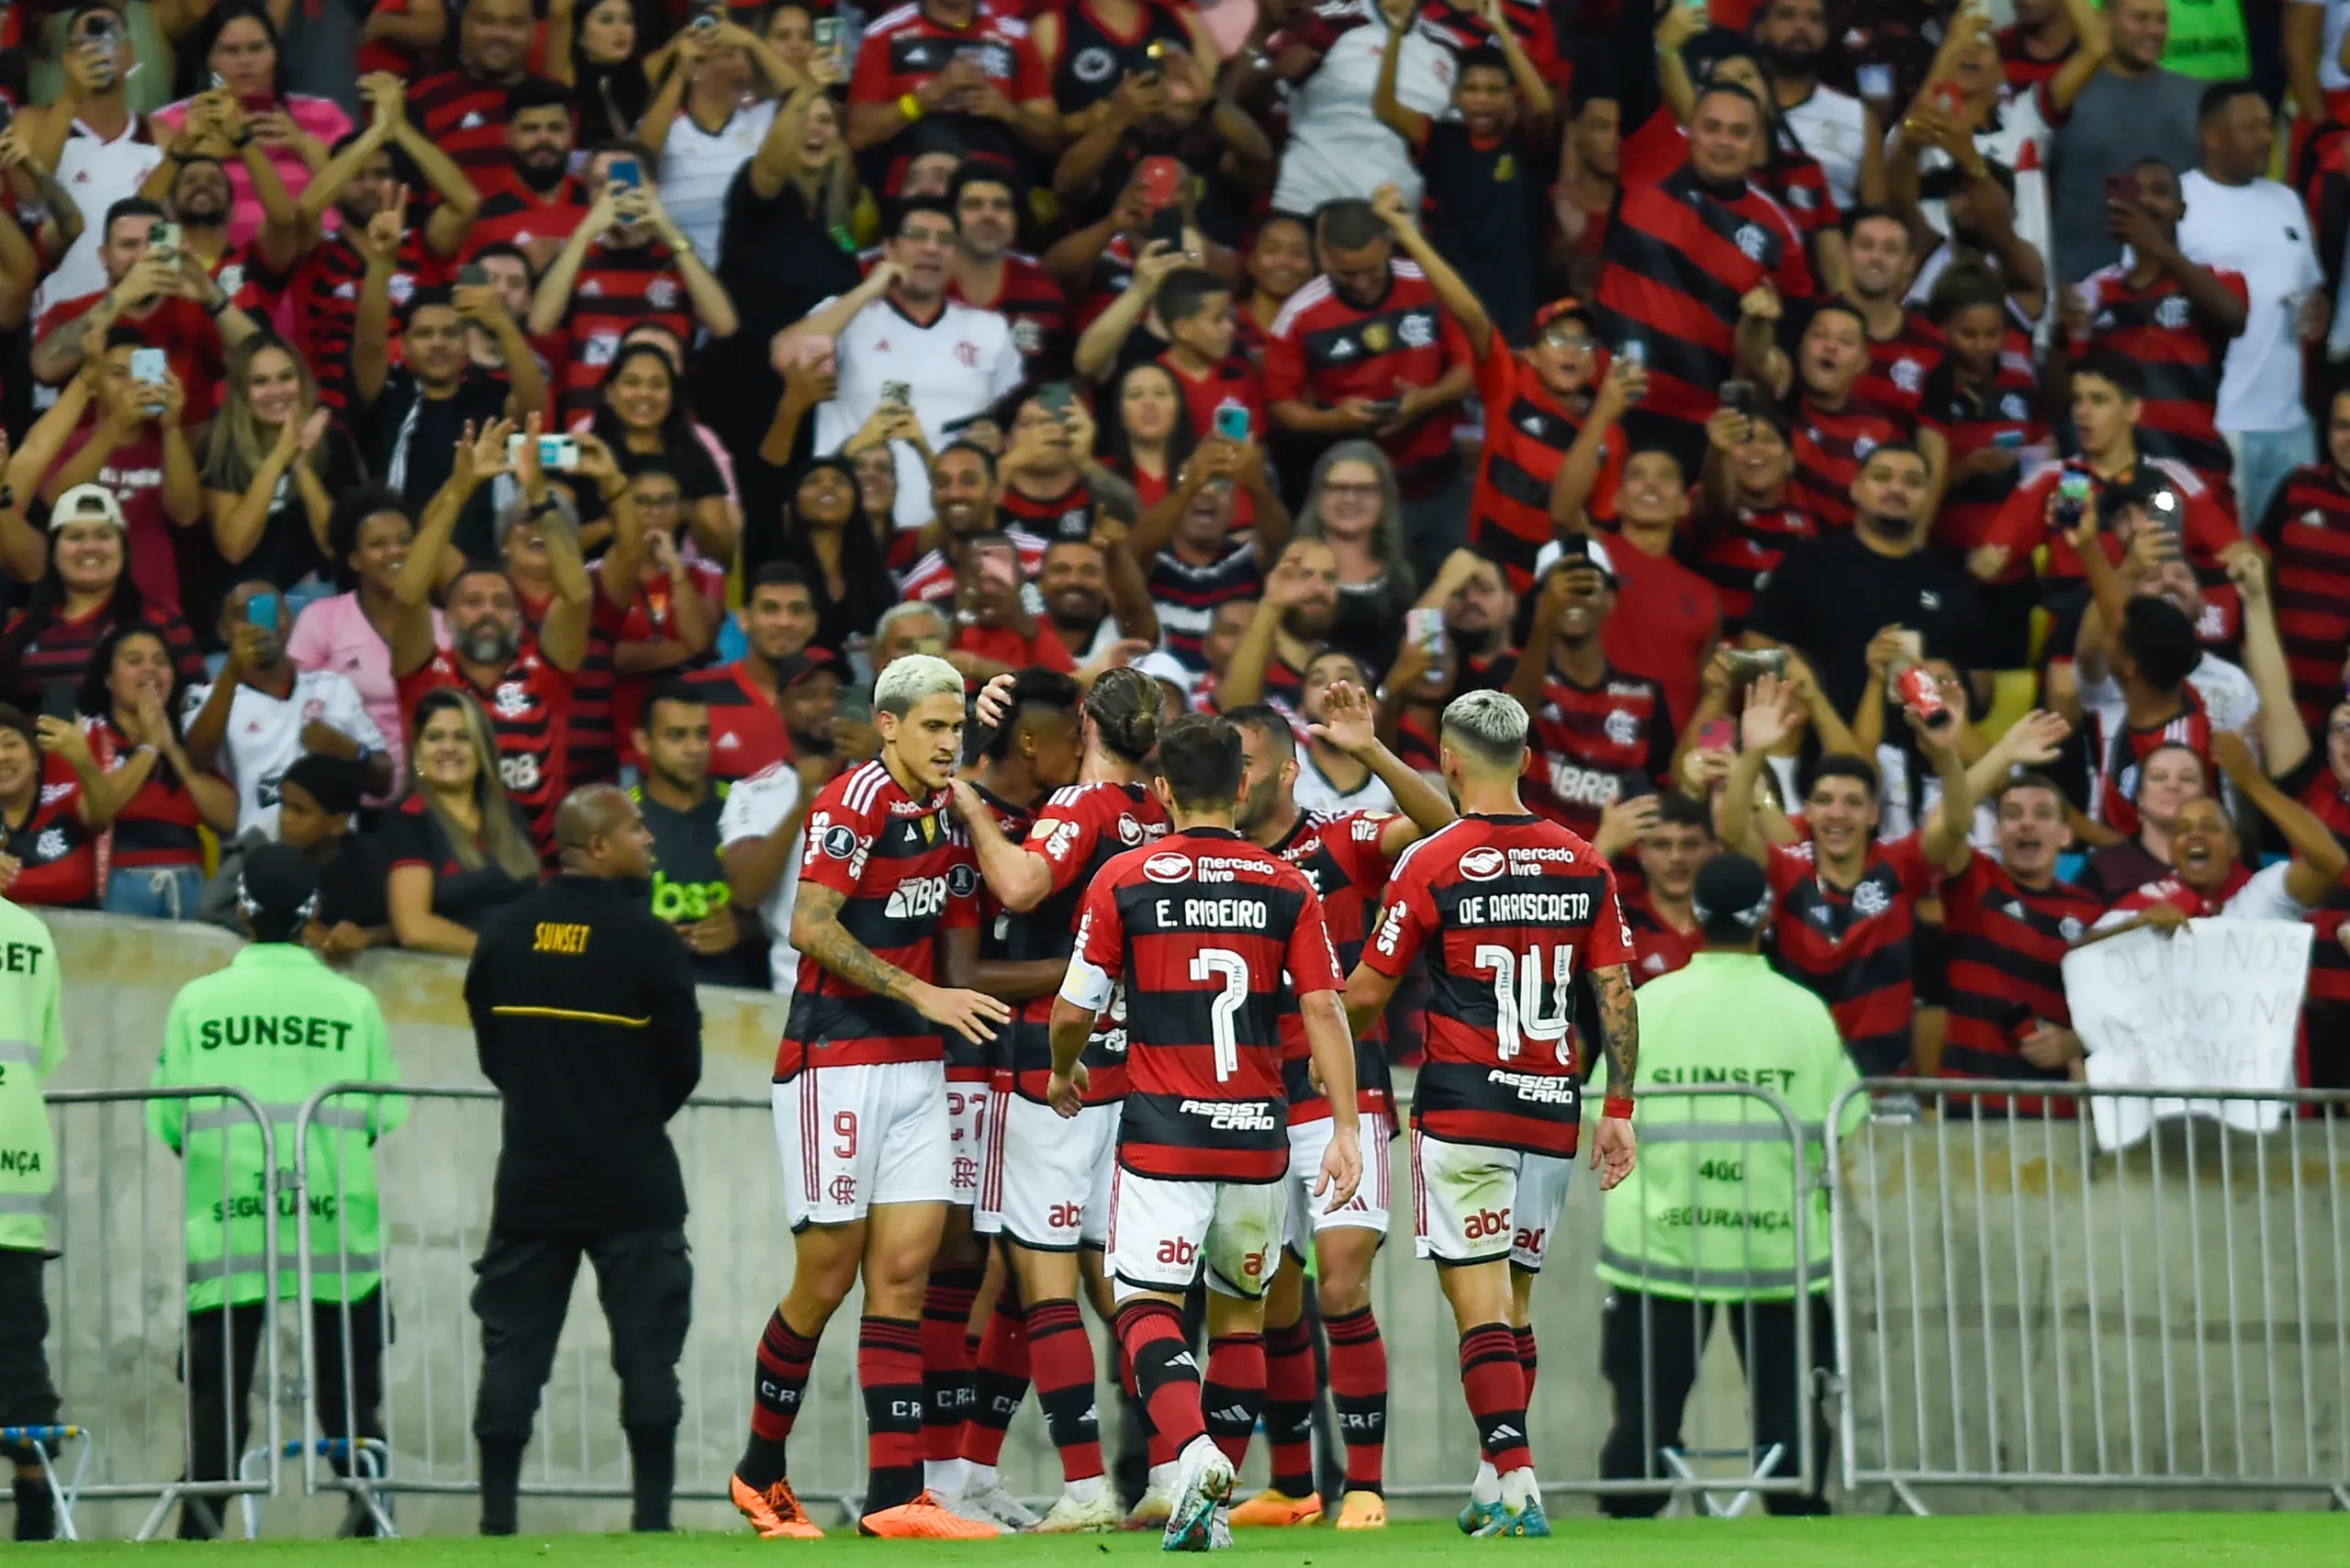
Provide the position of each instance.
(529, 711)
(1033, 304)
(1070, 515)
(1595, 744)
(1200, 932)
(1795, 180)
(1737, 558)
(2182, 356)
(995, 921)
(1340, 853)
(2005, 945)
(1659, 946)
(2325, 1010)
(618, 289)
(2314, 785)
(2006, 414)
(2117, 753)
(904, 48)
(746, 732)
(1076, 833)
(905, 873)
(1465, 25)
(324, 291)
(1187, 594)
(1507, 910)
(513, 214)
(2307, 532)
(1894, 385)
(1528, 432)
(1830, 446)
(1853, 948)
(1325, 351)
(1677, 261)
(466, 118)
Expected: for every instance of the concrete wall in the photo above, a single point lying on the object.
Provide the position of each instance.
(1967, 1259)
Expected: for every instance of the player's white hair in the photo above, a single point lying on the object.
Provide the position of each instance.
(1491, 724)
(910, 678)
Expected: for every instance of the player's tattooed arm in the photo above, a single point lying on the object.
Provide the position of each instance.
(1619, 1026)
(816, 931)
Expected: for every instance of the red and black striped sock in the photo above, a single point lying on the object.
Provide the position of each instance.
(1525, 1359)
(1359, 1390)
(999, 1381)
(1061, 1358)
(778, 1386)
(1165, 1373)
(888, 1369)
(947, 1357)
(1495, 1385)
(1289, 1406)
(1234, 1391)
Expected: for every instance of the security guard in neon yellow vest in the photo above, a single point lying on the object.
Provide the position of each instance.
(1707, 1220)
(281, 1025)
(32, 1042)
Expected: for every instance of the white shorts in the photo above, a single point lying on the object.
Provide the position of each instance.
(1367, 1210)
(1472, 1203)
(1163, 1233)
(1057, 1175)
(987, 1208)
(966, 1139)
(855, 1136)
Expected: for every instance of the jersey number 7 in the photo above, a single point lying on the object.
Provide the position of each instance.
(1207, 964)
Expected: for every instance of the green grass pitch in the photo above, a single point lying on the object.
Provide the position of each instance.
(2072, 1541)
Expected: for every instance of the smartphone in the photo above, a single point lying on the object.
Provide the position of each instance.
(59, 700)
(1001, 566)
(1425, 629)
(473, 275)
(1166, 225)
(164, 240)
(1913, 644)
(1634, 352)
(828, 33)
(1055, 397)
(1739, 397)
(624, 173)
(1717, 734)
(149, 366)
(2121, 190)
(216, 83)
(1947, 95)
(1387, 408)
(707, 14)
(2164, 511)
(897, 392)
(1232, 419)
(2008, 441)
(262, 611)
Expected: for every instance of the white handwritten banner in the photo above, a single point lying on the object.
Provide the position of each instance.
(2214, 1006)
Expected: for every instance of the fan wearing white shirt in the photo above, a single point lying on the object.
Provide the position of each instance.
(2256, 227)
(1835, 127)
(897, 333)
(265, 713)
(2207, 876)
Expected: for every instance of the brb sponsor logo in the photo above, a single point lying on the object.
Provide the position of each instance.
(1485, 1224)
(917, 898)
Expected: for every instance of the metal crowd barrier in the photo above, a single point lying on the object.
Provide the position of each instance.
(119, 1324)
(2015, 1308)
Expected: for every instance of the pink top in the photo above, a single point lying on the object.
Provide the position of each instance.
(320, 117)
(335, 633)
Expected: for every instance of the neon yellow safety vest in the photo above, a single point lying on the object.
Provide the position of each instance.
(1708, 1212)
(280, 1025)
(32, 1044)
(2207, 40)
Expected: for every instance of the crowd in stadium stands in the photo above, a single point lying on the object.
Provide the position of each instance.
(417, 411)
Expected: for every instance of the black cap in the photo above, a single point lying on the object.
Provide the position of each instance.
(1732, 898)
(276, 887)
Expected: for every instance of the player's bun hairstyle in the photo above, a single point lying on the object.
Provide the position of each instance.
(1488, 725)
(1124, 706)
(1200, 758)
(912, 678)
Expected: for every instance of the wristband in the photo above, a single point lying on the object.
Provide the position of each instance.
(243, 140)
(909, 107)
(220, 307)
(1617, 1108)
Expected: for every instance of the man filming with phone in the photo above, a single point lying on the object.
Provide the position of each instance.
(101, 149)
(155, 287)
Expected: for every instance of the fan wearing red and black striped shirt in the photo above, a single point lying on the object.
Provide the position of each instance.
(2006, 925)
(990, 275)
(1662, 914)
(1750, 519)
(2307, 534)
(1833, 432)
(2174, 318)
(531, 200)
(627, 263)
(1847, 904)
(1904, 346)
(463, 109)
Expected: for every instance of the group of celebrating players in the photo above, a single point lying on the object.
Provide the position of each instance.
(1131, 1039)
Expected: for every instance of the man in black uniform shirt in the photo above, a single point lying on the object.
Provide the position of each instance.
(583, 1013)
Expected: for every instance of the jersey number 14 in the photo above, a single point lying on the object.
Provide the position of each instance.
(1519, 1014)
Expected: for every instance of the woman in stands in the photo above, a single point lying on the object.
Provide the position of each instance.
(54, 800)
(1148, 433)
(458, 849)
(350, 633)
(1353, 505)
(273, 467)
(85, 593)
(236, 45)
(599, 58)
(643, 419)
(828, 534)
(129, 706)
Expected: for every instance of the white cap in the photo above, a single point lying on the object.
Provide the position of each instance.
(1160, 665)
(83, 502)
(1552, 553)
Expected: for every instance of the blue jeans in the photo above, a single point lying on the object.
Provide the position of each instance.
(155, 892)
(2264, 459)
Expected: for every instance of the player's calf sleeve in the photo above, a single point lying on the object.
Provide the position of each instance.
(1490, 1376)
(1525, 1359)
(999, 1381)
(1359, 1390)
(1234, 1391)
(945, 1358)
(1060, 1359)
(1288, 1406)
(777, 1384)
(888, 1369)
(1165, 1373)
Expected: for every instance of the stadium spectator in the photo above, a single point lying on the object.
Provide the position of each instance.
(2207, 877)
(317, 801)
(130, 701)
(48, 820)
(234, 57)
(86, 592)
(598, 52)
(2127, 112)
(682, 812)
(711, 114)
(960, 60)
(1676, 839)
(93, 140)
(273, 467)
(461, 109)
(368, 539)
(1352, 504)
(535, 202)
(456, 849)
